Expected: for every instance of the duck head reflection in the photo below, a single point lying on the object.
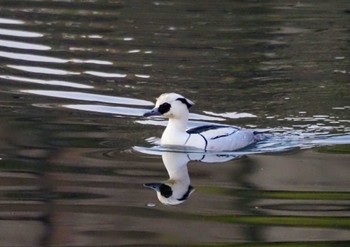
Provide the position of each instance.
(177, 189)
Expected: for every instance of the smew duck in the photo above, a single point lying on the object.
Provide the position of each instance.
(176, 107)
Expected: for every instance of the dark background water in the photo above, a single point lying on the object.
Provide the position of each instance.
(76, 76)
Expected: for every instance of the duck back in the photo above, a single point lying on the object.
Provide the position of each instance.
(223, 138)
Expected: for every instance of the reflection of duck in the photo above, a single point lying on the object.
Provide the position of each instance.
(208, 137)
(178, 188)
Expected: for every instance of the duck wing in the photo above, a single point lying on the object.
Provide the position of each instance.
(224, 138)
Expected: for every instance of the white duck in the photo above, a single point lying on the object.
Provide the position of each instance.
(175, 107)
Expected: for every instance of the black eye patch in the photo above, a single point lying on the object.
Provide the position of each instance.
(165, 190)
(183, 100)
(164, 108)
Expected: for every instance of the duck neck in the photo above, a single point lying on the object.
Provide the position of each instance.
(176, 166)
(178, 124)
(175, 132)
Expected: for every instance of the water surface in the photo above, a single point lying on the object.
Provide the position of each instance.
(76, 77)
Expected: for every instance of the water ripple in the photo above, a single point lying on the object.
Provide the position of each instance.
(42, 70)
(60, 83)
(117, 110)
(233, 115)
(89, 97)
(10, 21)
(20, 33)
(48, 59)
(31, 57)
(106, 75)
(23, 45)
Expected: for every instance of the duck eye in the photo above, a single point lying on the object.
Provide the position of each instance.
(164, 108)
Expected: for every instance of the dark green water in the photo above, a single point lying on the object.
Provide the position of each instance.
(76, 77)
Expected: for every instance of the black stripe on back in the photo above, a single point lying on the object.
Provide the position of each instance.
(200, 129)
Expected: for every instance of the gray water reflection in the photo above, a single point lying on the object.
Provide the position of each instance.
(76, 76)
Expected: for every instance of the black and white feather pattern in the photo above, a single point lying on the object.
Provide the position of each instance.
(217, 137)
(208, 137)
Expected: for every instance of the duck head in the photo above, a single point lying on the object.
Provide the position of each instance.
(170, 105)
(170, 193)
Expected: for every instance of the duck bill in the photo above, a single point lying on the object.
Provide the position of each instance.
(153, 112)
(153, 186)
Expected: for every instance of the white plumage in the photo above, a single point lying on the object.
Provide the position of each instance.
(175, 107)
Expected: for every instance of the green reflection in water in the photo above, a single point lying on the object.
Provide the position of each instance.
(19, 166)
(294, 221)
(284, 244)
(293, 195)
(337, 149)
(28, 195)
